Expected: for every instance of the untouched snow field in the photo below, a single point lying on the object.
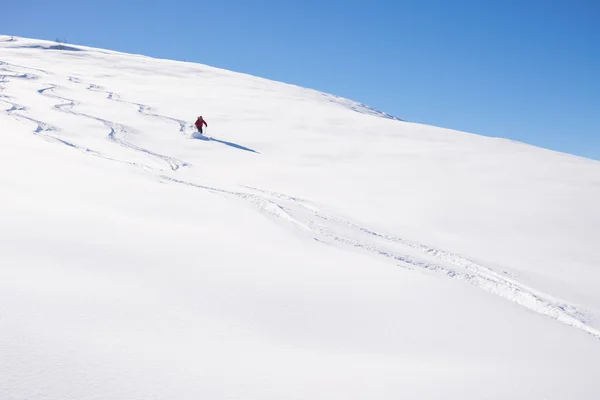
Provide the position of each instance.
(309, 247)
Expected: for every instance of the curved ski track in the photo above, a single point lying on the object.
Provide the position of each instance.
(117, 132)
(321, 226)
(42, 128)
(332, 230)
(142, 108)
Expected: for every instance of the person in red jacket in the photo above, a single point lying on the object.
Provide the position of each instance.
(199, 122)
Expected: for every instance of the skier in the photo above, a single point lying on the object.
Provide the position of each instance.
(199, 123)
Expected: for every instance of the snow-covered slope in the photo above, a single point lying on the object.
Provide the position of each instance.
(314, 248)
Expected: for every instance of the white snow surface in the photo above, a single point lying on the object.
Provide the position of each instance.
(308, 247)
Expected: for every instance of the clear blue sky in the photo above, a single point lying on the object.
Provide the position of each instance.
(528, 70)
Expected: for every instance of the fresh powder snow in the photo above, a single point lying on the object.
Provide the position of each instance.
(305, 247)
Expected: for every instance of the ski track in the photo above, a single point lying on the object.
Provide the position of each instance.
(323, 227)
(117, 132)
(142, 108)
(330, 229)
(42, 127)
(333, 230)
(42, 130)
(22, 67)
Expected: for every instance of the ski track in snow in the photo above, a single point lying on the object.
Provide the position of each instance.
(307, 218)
(117, 132)
(142, 108)
(331, 229)
(42, 128)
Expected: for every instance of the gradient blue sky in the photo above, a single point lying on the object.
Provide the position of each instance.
(527, 70)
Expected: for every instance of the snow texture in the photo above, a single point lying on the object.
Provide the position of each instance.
(305, 246)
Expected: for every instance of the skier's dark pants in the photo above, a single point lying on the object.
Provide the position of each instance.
(200, 129)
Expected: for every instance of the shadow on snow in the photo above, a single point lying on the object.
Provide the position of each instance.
(230, 144)
(54, 47)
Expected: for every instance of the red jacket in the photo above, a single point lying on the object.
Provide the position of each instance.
(199, 123)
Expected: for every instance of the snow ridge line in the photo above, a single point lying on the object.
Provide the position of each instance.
(358, 107)
(331, 229)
